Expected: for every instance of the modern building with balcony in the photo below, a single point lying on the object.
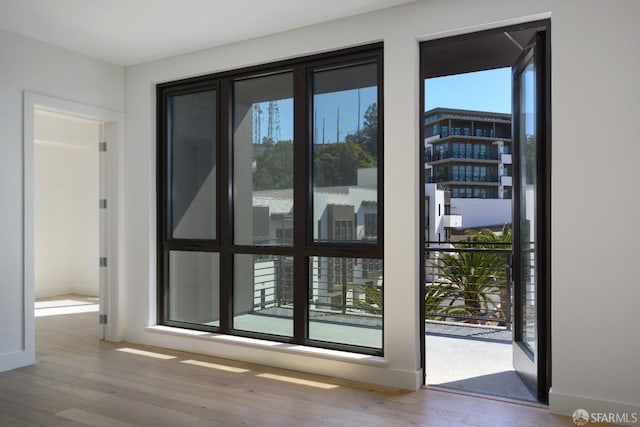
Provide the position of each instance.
(469, 152)
(440, 218)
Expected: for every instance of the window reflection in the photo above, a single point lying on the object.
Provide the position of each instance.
(192, 136)
(345, 152)
(263, 160)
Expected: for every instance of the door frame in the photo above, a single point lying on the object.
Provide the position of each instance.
(537, 376)
(472, 32)
(111, 295)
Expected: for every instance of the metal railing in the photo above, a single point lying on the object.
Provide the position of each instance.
(346, 285)
(338, 285)
(272, 282)
(443, 155)
(462, 178)
(469, 282)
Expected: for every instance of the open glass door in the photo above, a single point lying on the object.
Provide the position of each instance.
(531, 217)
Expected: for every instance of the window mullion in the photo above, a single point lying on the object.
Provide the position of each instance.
(225, 203)
(302, 201)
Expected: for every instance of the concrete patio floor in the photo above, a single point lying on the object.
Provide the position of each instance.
(472, 359)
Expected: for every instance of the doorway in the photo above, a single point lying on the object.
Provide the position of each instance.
(73, 189)
(68, 229)
(485, 272)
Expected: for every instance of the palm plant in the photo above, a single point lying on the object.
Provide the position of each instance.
(436, 297)
(373, 299)
(474, 276)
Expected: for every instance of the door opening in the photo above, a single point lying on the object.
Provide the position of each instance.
(79, 249)
(479, 311)
(69, 227)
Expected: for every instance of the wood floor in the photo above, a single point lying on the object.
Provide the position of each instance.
(79, 381)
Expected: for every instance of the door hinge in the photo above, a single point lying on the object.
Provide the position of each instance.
(103, 261)
(102, 319)
(102, 146)
(103, 203)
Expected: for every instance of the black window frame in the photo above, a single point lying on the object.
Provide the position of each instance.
(303, 247)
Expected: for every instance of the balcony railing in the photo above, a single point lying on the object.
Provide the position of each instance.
(469, 283)
(444, 155)
(338, 285)
(272, 283)
(457, 178)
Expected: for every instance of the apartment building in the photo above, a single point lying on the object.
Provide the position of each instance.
(469, 152)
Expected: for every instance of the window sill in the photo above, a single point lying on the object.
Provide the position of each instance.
(337, 355)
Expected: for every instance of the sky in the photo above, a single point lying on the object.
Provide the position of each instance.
(488, 90)
(326, 117)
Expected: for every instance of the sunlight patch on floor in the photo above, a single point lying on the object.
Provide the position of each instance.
(60, 307)
(215, 366)
(146, 353)
(293, 380)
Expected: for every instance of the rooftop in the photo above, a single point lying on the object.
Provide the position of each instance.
(441, 112)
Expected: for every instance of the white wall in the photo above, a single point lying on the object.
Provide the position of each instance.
(27, 65)
(477, 213)
(66, 205)
(594, 76)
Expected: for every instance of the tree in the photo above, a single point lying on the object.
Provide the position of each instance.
(368, 135)
(337, 164)
(334, 164)
(474, 274)
(437, 300)
(274, 165)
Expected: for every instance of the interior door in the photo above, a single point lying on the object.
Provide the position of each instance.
(531, 216)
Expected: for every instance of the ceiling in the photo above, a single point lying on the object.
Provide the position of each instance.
(127, 32)
(476, 52)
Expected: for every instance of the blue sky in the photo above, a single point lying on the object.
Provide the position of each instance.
(326, 113)
(488, 90)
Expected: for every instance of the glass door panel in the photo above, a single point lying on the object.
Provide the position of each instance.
(530, 219)
(527, 201)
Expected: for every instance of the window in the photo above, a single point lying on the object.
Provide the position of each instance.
(342, 230)
(456, 150)
(479, 151)
(442, 151)
(270, 190)
(192, 139)
(370, 225)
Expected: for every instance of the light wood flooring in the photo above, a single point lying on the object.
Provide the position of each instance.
(79, 380)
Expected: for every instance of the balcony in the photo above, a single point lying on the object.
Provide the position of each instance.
(506, 180)
(468, 304)
(346, 300)
(469, 282)
(506, 159)
(457, 178)
(446, 155)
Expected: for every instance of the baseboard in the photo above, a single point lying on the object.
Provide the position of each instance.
(621, 413)
(17, 359)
